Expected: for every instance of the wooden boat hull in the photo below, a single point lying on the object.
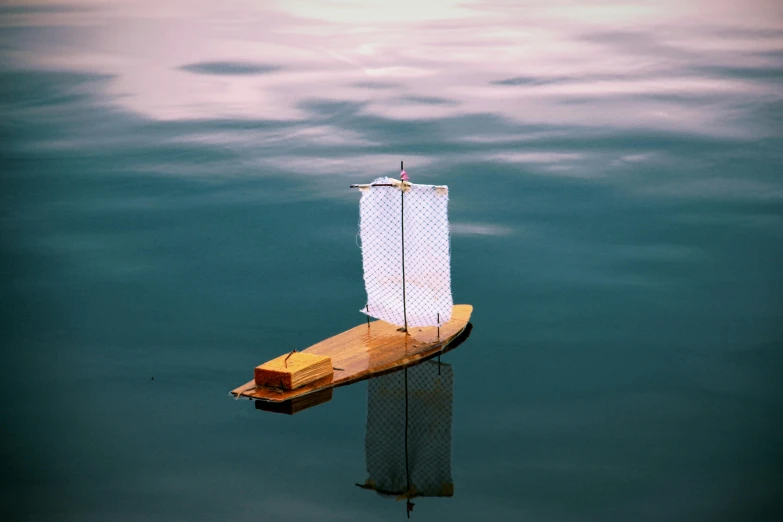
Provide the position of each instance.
(365, 351)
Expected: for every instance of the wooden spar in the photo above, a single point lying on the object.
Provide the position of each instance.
(362, 352)
(367, 185)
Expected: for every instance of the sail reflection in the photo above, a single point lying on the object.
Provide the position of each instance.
(408, 438)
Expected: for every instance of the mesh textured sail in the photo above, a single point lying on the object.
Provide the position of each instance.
(427, 284)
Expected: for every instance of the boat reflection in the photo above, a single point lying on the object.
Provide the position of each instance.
(408, 438)
(298, 404)
(408, 434)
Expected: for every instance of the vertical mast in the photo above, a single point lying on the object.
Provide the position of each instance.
(402, 221)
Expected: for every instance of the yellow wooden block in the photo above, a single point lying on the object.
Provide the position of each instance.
(291, 371)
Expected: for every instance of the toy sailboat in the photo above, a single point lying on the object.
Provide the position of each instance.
(406, 258)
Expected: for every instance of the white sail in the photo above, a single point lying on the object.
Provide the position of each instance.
(423, 296)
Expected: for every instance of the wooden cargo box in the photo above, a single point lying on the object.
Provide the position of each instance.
(291, 371)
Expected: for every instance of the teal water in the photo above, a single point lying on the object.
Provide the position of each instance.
(175, 211)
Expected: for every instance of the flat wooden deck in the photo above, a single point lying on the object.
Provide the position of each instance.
(364, 351)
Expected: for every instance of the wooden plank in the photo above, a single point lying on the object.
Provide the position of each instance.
(364, 351)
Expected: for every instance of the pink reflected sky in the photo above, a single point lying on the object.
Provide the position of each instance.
(418, 60)
(695, 67)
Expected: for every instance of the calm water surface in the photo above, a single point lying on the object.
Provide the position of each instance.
(175, 206)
